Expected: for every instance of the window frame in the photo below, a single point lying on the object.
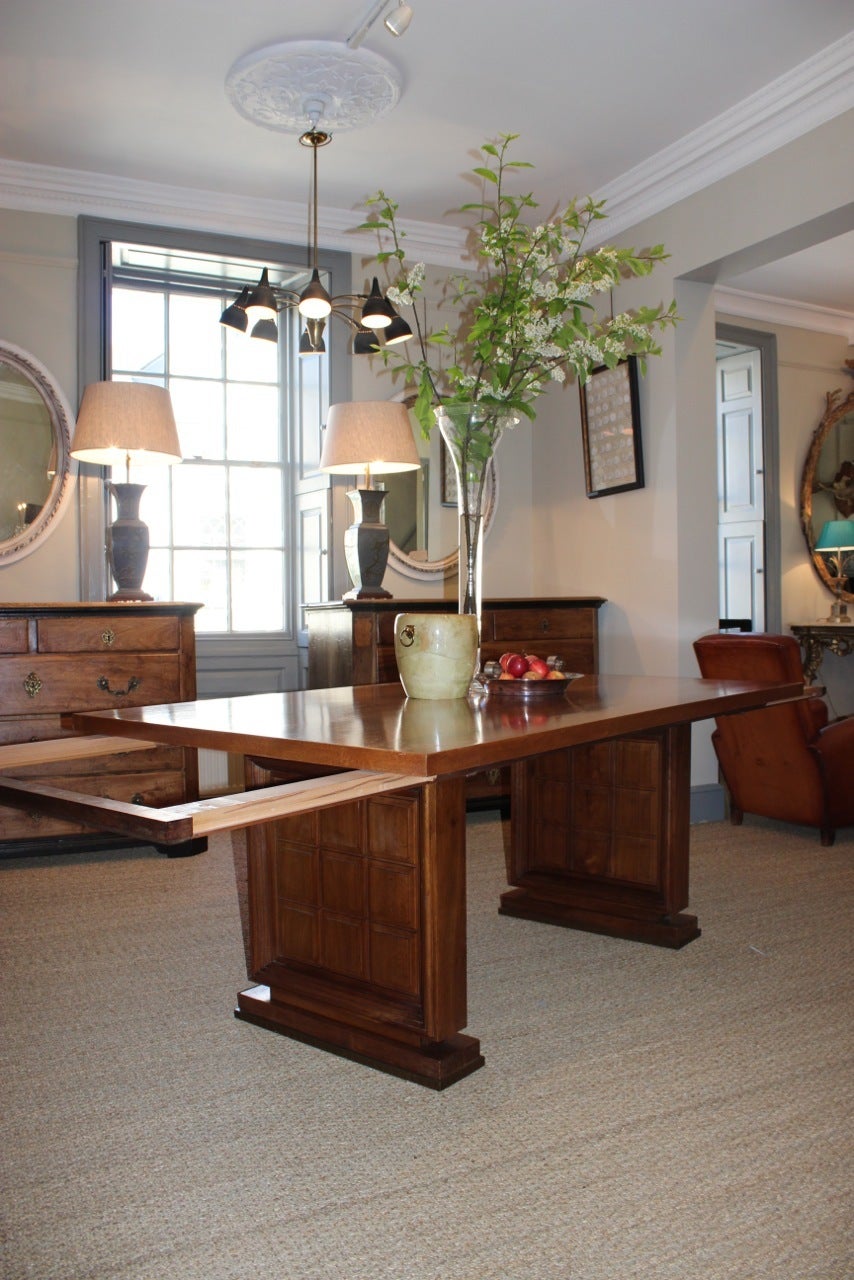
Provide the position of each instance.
(227, 662)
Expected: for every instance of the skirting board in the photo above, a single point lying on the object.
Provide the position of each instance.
(708, 803)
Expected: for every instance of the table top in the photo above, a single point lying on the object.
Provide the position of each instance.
(377, 727)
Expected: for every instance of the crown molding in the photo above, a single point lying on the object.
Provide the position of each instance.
(71, 192)
(804, 98)
(798, 315)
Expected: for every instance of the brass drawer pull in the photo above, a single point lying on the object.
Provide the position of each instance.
(32, 684)
(103, 683)
(544, 625)
(108, 638)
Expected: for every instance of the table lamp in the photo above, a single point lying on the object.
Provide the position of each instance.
(374, 436)
(121, 422)
(837, 538)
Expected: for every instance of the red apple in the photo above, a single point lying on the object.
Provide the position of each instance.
(516, 666)
(504, 659)
(537, 665)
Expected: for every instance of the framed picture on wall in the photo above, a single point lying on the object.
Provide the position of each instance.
(611, 431)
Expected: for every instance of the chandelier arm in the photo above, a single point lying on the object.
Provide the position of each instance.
(341, 314)
(285, 297)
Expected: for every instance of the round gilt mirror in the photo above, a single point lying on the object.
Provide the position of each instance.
(35, 445)
(827, 484)
(421, 509)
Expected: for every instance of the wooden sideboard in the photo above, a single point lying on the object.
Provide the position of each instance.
(351, 642)
(57, 658)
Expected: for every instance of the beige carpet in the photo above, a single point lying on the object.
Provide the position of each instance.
(642, 1113)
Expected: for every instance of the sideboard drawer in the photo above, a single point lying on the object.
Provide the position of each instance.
(113, 635)
(43, 683)
(539, 625)
(13, 635)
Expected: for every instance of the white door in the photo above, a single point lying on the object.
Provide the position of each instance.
(741, 489)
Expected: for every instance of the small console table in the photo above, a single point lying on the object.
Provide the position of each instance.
(816, 638)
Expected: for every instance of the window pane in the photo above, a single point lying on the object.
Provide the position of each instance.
(198, 506)
(156, 504)
(256, 507)
(201, 575)
(137, 335)
(157, 581)
(195, 344)
(257, 591)
(253, 423)
(199, 416)
(250, 359)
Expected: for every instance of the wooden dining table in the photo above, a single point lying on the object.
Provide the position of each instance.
(355, 816)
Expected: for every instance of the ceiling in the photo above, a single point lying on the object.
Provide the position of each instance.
(130, 91)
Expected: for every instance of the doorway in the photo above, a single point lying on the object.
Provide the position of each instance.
(749, 584)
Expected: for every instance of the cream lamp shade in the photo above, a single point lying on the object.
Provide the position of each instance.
(124, 422)
(370, 436)
(374, 436)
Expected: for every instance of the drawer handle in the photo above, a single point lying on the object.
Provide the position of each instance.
(108, 638)
(32, 684)
(103, 683)
(544, 625)
(137, 798)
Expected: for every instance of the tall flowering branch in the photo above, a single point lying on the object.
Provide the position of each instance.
(526, 316)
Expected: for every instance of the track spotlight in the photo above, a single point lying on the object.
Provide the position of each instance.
(399, 19)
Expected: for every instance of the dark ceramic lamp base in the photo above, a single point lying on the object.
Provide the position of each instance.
(127, 543)
(366, 546)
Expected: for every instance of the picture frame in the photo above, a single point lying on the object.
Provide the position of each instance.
(611, 430)
(448, 495)
(448, 477)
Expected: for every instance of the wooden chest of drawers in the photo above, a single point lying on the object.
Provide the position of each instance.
(352, 642)
(74, 657)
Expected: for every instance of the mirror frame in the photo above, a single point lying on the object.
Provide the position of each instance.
(836, 410)
(434, 570)
(61, 421)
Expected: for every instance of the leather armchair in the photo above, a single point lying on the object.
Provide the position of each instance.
(789, 761)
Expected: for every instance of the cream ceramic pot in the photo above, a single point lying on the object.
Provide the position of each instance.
(436, 653)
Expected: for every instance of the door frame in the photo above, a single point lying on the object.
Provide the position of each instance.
(766, 344)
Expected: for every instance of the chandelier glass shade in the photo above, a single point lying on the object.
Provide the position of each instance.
(256, 306)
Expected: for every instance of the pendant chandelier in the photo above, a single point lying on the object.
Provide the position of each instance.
(367, 315)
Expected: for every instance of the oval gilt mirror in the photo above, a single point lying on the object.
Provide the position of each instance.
(827, 484)
(35, 445)
(421, 509)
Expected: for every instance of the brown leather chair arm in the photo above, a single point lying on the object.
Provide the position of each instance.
(834, 747)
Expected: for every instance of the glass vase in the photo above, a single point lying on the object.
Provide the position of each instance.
(471, 434)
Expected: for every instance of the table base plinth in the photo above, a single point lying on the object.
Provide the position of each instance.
(673, 931)
(435, 1065)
